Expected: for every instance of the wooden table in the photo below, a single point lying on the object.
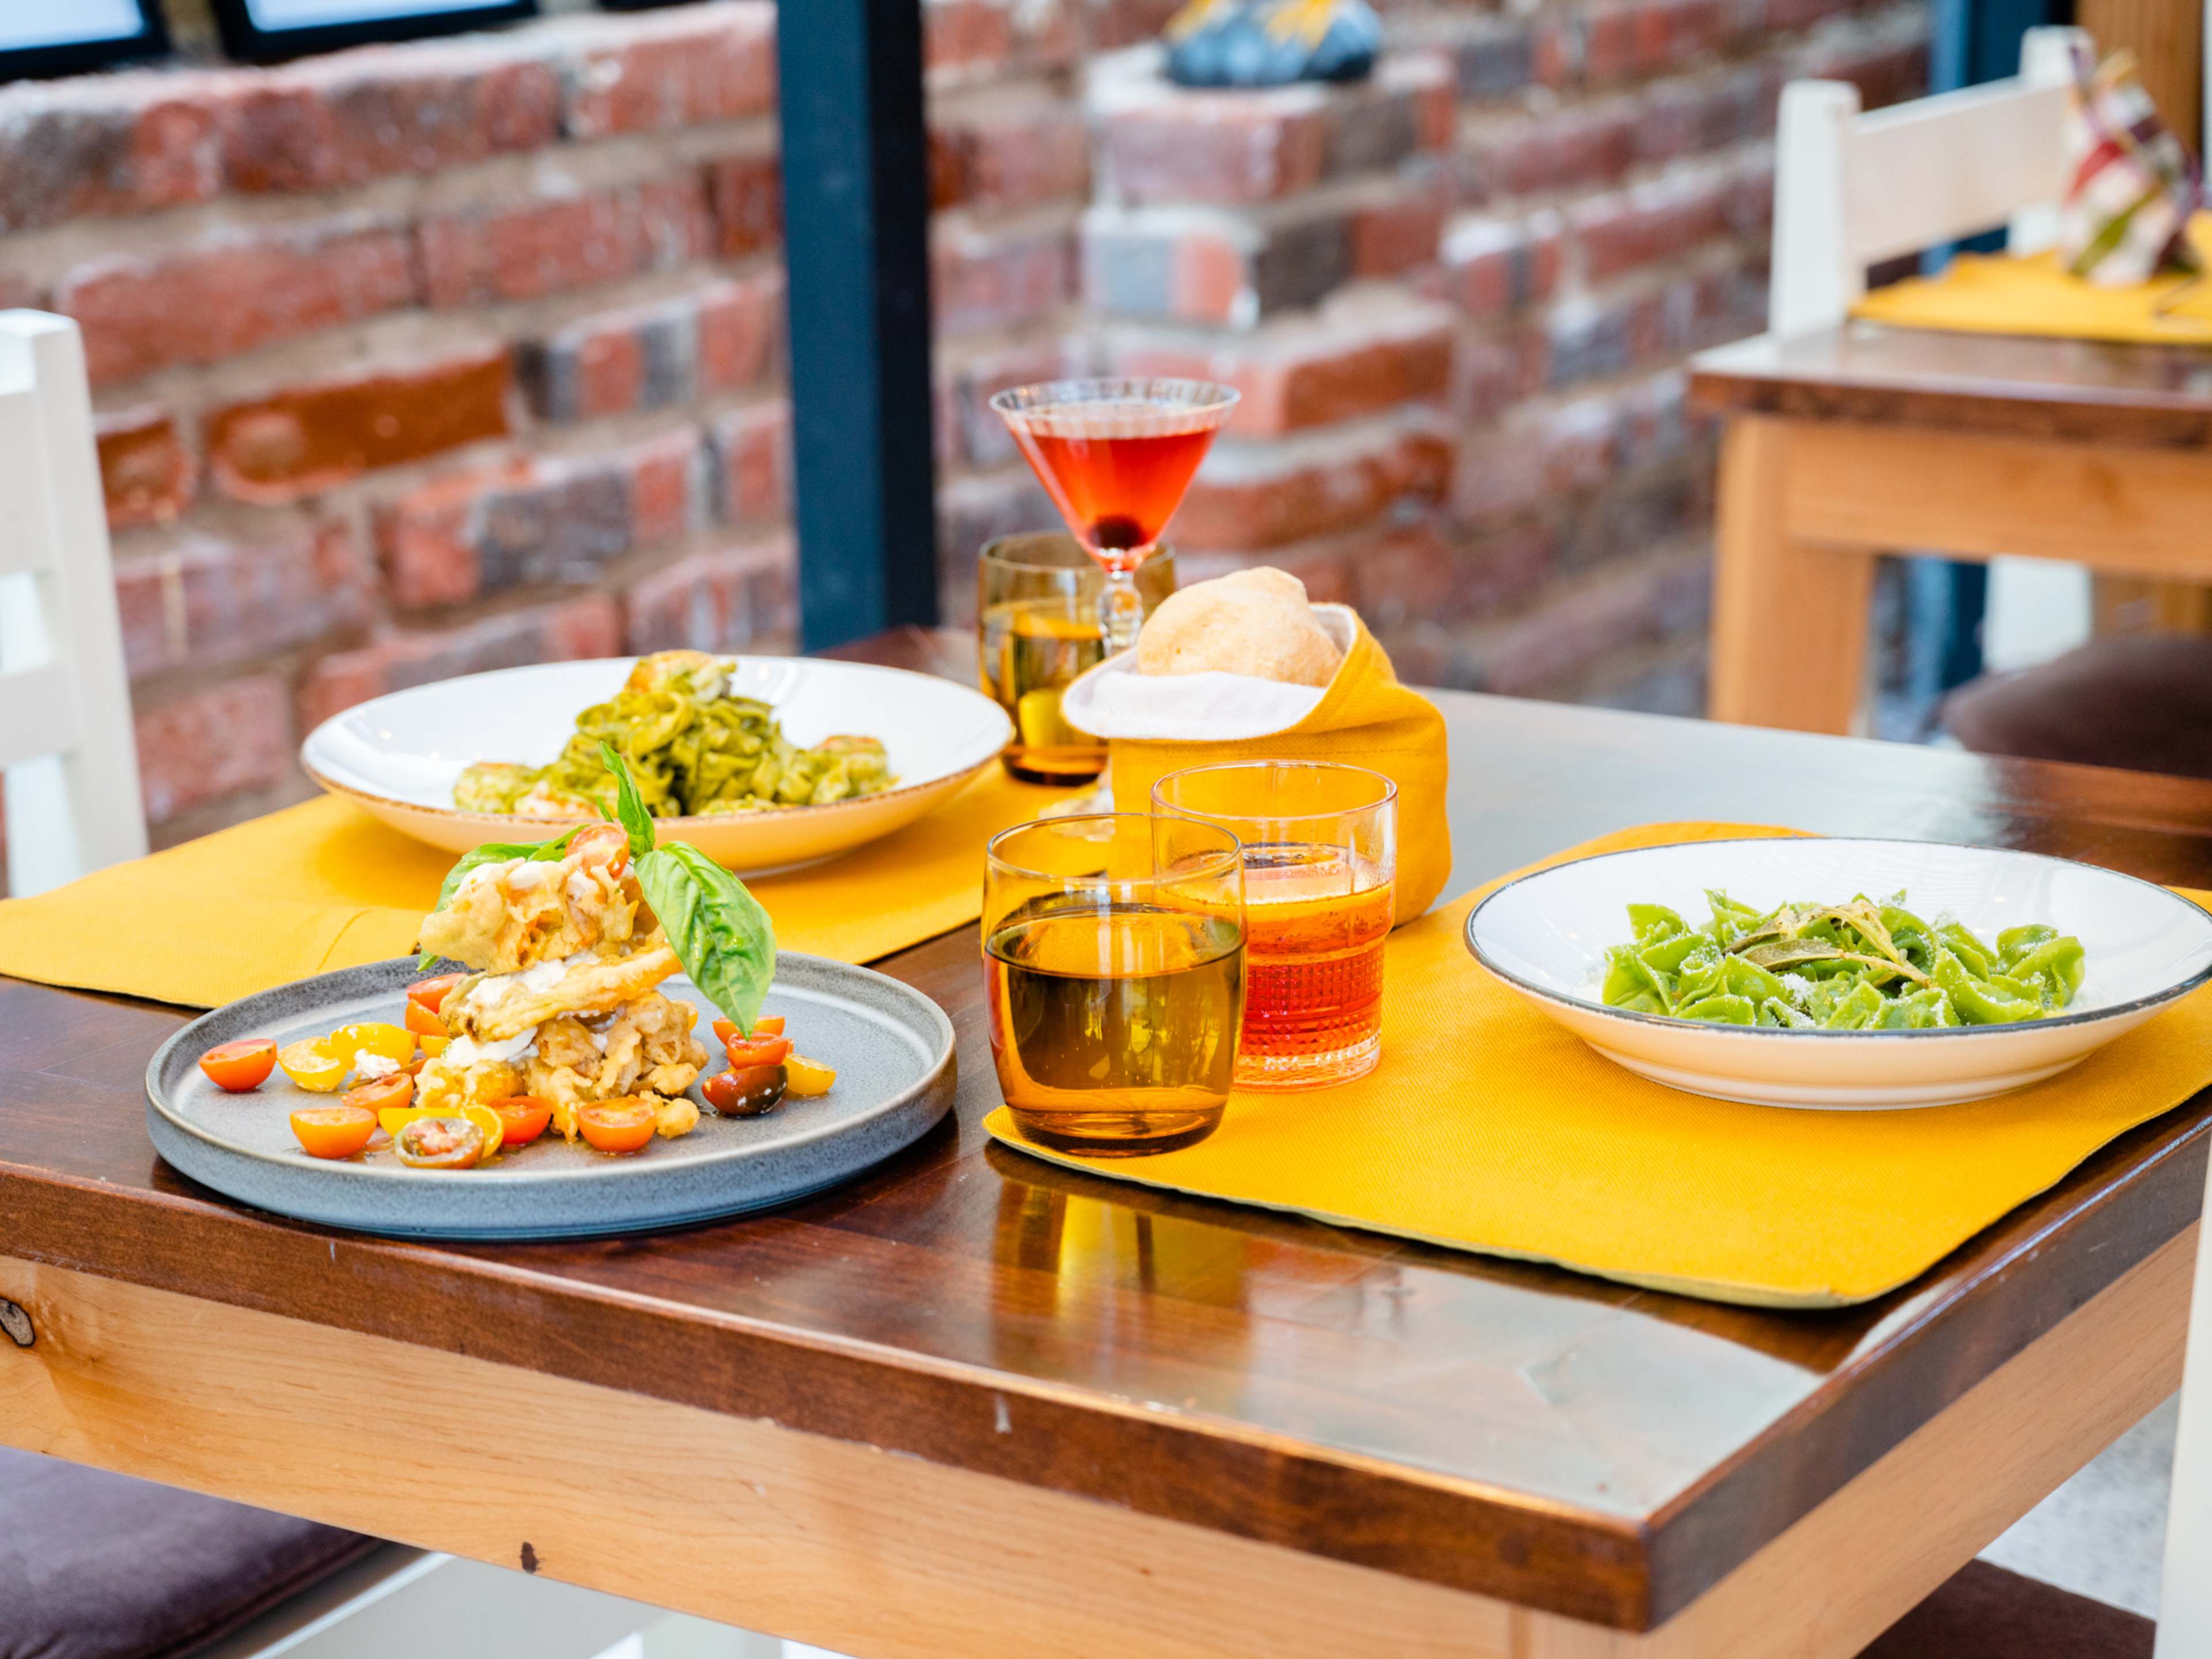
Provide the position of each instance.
(1845, 444)
(972, 1405)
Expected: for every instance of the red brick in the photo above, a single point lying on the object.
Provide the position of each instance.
(966, 34)
(996, 276)
(587, 625)
(222, 741)
(1494, 266)
(308, 438)
(1540, 456)
(967, 428)
(146, 473)
(201, 304)
(113, 144)
(1248, 497)
(1224, 146)
(549, 519)
(1015, 150)
(550, 246)
(1311, 373)
(745, 195)
(1653, 222)
(354, 116)
(1398, 234)
(711, 63)
(1520, 154)
(740, 331)
(751, 452)
(725, 598)
(198, 600)
(1547, 651)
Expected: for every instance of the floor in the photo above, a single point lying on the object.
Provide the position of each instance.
(2103, 1532)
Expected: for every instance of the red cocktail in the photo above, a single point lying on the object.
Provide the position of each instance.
(1116, 456)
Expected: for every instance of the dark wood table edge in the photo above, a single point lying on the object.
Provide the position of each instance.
(1601, 1568)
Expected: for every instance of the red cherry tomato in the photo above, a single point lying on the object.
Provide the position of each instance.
(424, 1022)
(524, 1117)
(240, 1066)
(749, 1092)
(725, 1030)
(747, 1053)
(616, 1126)
(396, 1090)
(603, 843)
(430, 994)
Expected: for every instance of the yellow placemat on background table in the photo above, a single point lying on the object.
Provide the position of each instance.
(1998, 293)
(1489, 1128)
(323, 885)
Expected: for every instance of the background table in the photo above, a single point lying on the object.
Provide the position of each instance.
(1845, 444)
(974, 1405)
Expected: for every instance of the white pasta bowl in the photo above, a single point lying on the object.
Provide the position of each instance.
(1546, 935)
(397, 756)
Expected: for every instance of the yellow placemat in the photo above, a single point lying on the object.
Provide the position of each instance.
(323, 885)
(1997, 294)
(1489, 1128)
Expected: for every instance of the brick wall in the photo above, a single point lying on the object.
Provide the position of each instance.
(416, 360)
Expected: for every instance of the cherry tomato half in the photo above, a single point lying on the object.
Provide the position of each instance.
(338, 1131)
(430, 994)
(373, 1097)
(441, 1143)
(423, 1022)
(616, 1126)
(746, 1052)
(240, 1066)
(523, 1118)
(725, 1030)
(747, 1092)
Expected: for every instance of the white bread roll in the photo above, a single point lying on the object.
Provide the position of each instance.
(1253, 622)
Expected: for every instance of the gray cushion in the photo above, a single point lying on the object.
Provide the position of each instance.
(100, 1566)
(1983, 1611)
(2141, 701)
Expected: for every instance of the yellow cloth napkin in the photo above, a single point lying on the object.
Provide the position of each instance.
(1489, 1128)
(1365, 718)
(323, 885)
(1997, 294)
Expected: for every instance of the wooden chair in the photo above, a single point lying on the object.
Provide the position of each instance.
(66, 745)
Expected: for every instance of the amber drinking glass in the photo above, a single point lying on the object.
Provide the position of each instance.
(1114, 968)
(1038, 597)
(1321, 855)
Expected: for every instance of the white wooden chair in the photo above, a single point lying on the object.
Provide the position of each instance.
(71, 761)
(1852, 189)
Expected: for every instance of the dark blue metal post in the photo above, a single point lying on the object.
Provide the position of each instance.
(856, 234)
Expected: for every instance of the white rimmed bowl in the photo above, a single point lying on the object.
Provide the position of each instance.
(1546, 935)
(397, 756)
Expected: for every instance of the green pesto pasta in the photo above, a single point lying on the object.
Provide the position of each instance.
(1857, 967)
(692, 749)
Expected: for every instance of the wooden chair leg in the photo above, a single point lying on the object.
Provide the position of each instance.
(1790, 619)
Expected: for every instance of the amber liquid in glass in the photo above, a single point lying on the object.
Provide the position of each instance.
(1033, 651)
(1316, 919)
(1117, 491)
(1114, 1029)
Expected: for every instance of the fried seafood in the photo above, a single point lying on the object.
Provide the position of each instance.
(496, 1006)
(517, 913)
(646, 1049)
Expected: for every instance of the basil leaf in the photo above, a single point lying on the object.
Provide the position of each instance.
(629, 806)
(548, 851)
(721, 933)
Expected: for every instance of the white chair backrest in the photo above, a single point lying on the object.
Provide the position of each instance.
(1851, 188)
(66, 743)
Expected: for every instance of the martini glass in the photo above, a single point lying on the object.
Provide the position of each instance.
(1116, 456)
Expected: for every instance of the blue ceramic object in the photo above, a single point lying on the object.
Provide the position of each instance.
(892, 1048)
(1272, 43)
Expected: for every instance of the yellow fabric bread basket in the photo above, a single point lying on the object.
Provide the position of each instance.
(1362, 717)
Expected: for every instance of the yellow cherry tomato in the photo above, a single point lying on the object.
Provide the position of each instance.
(802, 1076)
(312, 1066)
(393, 1118)
(434, 1045)
(387, 1042)
(493, 1125)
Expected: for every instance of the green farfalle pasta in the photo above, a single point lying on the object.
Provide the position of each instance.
(1863, 966)
(691, 747)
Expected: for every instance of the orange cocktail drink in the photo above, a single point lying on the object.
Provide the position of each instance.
(1320, 848)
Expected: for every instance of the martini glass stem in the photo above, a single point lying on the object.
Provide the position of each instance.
(1120, 611)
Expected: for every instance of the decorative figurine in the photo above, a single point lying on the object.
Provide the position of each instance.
(1272, 43)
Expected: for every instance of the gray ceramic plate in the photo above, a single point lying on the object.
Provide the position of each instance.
(892, 1048)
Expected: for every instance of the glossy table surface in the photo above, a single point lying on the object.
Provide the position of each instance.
(1553, 1440)
(2088, 390)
